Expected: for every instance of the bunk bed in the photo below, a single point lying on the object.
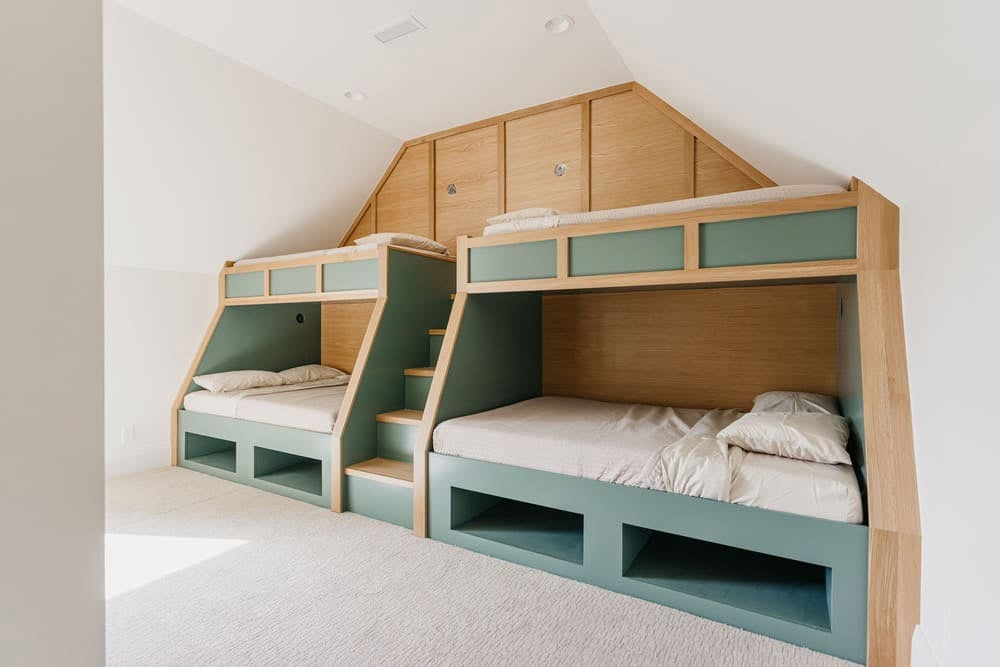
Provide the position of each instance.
(698, 307)
(339, 328)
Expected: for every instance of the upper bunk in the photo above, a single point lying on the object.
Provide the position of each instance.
(352, 273)
(787, 233)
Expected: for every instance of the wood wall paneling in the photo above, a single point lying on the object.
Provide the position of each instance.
(403, 202)
(469, 162)
(365, 226)
(691, 348)
(535, 145)
(715, 175)
(638, 154)
(342, 330)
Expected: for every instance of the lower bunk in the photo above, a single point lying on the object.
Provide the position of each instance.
(795, 578)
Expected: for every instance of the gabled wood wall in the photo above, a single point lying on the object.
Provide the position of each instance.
(621, 146)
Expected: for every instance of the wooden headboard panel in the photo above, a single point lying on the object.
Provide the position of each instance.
(691, 348)
(343, 328)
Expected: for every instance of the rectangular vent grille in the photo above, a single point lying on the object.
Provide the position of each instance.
(398, 29)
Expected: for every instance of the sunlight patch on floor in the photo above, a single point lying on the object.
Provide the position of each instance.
(132, 561)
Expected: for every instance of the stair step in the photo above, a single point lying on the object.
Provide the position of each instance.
(425, 372)
(436, 332)
(416, 388)
(434, 343)
(387, 471)
(395, 441)
(407, 416)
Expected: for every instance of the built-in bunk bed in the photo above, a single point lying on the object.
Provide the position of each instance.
(581, 417)
(304, 354)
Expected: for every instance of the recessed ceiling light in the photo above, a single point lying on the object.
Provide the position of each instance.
(559, 24)
(356, 95)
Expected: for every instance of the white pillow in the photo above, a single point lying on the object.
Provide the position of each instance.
(795, 401)
(524, 213)
(405, 240)
(236, 380)
(311, 372)
(806, 436)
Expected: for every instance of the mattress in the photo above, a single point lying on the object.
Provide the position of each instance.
(310, 406)
(345, 250)
(742, 198)
(654, 447)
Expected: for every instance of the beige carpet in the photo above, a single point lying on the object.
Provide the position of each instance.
(206, 572)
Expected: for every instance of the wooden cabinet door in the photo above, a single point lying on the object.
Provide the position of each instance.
(404, 202)
(366, 226)
(466, 191)
(535, 146)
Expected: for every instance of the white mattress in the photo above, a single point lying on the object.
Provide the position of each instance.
(310, 406)
(651, 447)
(345, 250)
(680, 206)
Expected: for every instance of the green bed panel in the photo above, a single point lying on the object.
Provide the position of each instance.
(517, 261)
(804, 583)
(294, 280)
(797, 237)
(239, 285)
(344, 276)
(627, 252)
(267, 337)
(849, 388)
(385, 502)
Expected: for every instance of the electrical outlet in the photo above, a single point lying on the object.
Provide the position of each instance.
(128, 434)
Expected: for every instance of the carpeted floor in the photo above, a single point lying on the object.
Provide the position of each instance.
(206, 572)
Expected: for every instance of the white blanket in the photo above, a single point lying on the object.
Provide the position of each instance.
(310, 406)
(651, 447)
(679, 206)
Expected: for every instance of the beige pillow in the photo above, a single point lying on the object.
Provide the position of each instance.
(311, 372)
(795, 401)
(806, 436)
(524, 213)
(405, 240)
(236, 380)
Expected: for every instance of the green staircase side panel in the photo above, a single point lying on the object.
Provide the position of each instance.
(849, 377)
(796, 237)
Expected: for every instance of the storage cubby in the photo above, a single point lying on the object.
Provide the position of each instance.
(289, 470)
(779, 587)
(209, 451)
(535, 528)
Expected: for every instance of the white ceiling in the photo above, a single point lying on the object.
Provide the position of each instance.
(474, 60)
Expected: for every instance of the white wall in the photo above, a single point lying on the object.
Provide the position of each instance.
(950, 236)
(51, 496)
(154, 323)
(206, 161)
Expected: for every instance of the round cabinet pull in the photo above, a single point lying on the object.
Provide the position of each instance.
(452, 189)
(560, 169)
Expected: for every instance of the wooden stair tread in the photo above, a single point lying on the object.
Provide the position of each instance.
(411, 417)
(388, 471)
(436, 332)
(426, 371)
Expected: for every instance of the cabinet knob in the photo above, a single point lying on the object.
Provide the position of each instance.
(560, 169)
(452, 189)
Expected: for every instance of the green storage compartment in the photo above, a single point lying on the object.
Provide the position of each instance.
(517, 261)
(779, 239)
(638, 251)
(241, 285)
(352, 275)
(294, 280)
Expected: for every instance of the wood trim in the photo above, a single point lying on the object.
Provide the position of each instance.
(692, 246)
(431, 188)
(405, 416)
(267, 283)
(384, 471)
(501, 166)
(431, 406)
(347, 405)
(752, 172)
(689, 158)
(585, 156)
(423, 371)
(358, 254)
(562, 258)
(527, 111)
(462, 263)
(308, 297)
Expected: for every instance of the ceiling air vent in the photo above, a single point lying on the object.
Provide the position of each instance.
(398, 29)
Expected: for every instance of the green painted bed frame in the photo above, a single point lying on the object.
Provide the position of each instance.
(795, 578)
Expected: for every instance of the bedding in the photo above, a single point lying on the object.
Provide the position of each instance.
(660, 448)
(345, 250)
(405, 240)
(679, 206)
(310, 406)
(236, 380)
(795, 401)
(805, 436)
(311, 372)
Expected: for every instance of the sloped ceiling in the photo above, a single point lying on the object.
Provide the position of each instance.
(474, 60)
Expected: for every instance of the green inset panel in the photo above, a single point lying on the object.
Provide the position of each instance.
(240, 285)
(395, 441)
(798, 237)
(517, 261)
(417, 388)
(385, 502)
(627, 252)
(357, 274)
(294, 280)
